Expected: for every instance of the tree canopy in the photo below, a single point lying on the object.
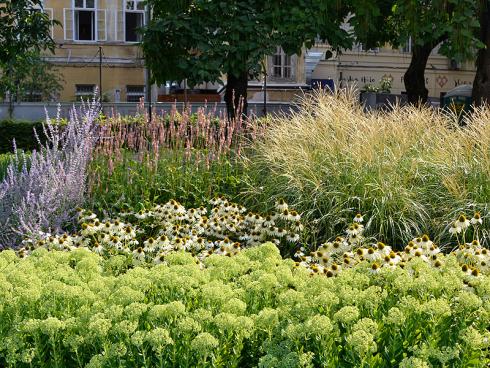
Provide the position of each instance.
(451, 24)
(25, 31)
(201, 40)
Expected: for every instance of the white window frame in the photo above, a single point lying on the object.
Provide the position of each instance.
(134, 10)
(282, 66)
(407, 48)
(133, 94)
(84, 94)
(50, 13)
(98, 13)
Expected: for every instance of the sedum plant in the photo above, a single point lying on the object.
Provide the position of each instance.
(61, 309)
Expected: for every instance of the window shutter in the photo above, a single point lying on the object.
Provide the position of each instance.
(120, 23)
(294, 63)
(49, 12)
(68, 23)
(101, 25)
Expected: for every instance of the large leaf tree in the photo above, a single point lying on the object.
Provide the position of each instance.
(451, 24)
(25, 32)
(481, 84)
(203, 40)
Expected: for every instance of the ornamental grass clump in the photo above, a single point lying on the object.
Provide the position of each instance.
(40, 192)
(71, 309)
(409, 170)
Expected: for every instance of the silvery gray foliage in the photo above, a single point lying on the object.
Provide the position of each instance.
(41, 191)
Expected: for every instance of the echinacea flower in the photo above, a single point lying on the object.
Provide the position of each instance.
(139, 254)
(281, 205)
(462, 222)
(476, 219)
(454, 229)
(358, 218)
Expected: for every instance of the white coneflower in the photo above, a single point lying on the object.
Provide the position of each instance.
(106, 227)
(159, 259)
(244, 237)
(150, 245)
(372, 254)
(280, 232)
(426, 243)
(294, 216)
(139, 254)
(297, 226)
(98, 248)
(358, 218)
(375, 268)
(141, 215)
(462, 222)
(353, 239)
(476, 220)
(434, 249)
(118, 225)
(353, 229)
(454, 229)
(268, 221)
(292, 238)
(299, 253)
(281, 205)
(89, 216)
(284, 215)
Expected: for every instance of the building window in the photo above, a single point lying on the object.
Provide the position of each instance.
(407, 48)
(135, 93)
(84, 18)
(84, 21)
(85, 91)
(282, 66)
(33, 96)
(134, 19)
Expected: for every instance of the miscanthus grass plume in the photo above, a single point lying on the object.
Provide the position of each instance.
(39, 193)
(409, 170)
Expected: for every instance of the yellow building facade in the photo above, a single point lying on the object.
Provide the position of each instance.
(360, 67)
(97, 44)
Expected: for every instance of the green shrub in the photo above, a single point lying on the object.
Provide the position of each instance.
(410, 170)
(134, 181)
(22, 132)
(190, 158)
(68, 309)
(4, 162)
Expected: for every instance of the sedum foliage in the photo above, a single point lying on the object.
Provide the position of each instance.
(62, 309)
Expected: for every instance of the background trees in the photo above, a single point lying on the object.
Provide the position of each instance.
(202, 40)
(451, 24)
(191, 41)
(25, 31)
(481, 84)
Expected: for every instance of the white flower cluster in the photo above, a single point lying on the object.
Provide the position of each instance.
(474, 258)
(462, 223)
(150, 235)
(345, 252)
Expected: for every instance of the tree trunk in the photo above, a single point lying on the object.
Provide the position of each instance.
(481, 84)
(236, 94)
(414, 77)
